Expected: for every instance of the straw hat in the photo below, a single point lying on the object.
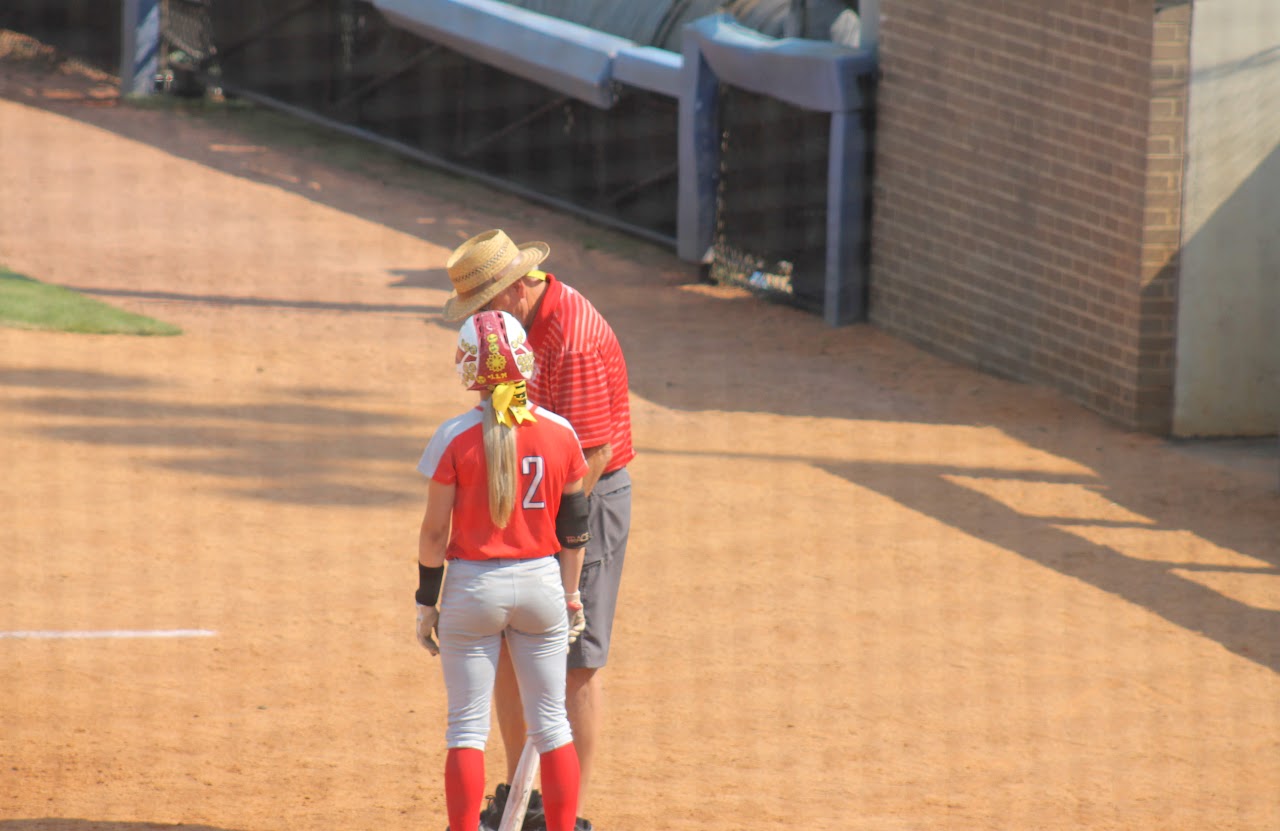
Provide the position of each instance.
(483, 266)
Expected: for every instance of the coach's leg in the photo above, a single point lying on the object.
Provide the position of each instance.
(584, 701)
(610, 522)
(506, 698)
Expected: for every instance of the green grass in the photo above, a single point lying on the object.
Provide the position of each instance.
(30, 304)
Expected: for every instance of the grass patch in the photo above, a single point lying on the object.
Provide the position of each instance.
(29, 304)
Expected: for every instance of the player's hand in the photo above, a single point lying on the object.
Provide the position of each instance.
(428, 617)
(577, 620)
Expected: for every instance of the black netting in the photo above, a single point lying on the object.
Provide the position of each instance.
(186, 45)
(772, 199)
(187, 31)
(88, 30)
(343, 61)
(287, 51)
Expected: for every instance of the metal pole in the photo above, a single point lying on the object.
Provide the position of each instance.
(139, 46)
(698, 142)
(128, 43)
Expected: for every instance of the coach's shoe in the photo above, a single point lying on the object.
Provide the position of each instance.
(582, 824)
(535, 816)
(491, 816)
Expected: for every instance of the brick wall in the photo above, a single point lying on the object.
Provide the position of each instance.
(1162, 237)
(1027, 191)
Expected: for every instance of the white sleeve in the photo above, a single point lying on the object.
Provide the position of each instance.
(443, 438)
(431, 456)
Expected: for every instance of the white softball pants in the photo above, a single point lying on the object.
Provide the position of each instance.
(481, 601)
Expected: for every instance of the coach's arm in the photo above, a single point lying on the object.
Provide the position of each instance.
(597, 460)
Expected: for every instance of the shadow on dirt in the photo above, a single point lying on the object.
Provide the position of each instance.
(71, 379)
(250, 446)
(1165, 584)
(259, 302)
(421, 278)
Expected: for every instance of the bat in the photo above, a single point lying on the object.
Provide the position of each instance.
(521, 787)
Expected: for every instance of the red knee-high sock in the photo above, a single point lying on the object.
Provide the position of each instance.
(464, 786)
(560, 787)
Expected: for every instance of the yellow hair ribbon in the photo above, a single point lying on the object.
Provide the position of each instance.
(537, 275)
(511, 401)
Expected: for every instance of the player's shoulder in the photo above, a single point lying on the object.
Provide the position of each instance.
(554, 418)
(551, 416)
(456, 426)
(444, 437)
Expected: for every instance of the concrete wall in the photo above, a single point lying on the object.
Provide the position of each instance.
(1228, 329)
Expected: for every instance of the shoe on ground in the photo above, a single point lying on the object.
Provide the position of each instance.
(491, 816)
(535, 816)
(540, 823)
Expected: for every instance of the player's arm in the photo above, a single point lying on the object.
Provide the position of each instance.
(433, 536)
(573, 534)
(597, 460)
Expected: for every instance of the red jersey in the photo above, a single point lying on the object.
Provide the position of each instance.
(579, 371)
(548, 457)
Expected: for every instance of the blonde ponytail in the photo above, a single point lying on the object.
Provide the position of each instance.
(500, 460)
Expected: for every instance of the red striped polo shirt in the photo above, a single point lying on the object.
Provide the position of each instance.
(548, 457)
(579, 371)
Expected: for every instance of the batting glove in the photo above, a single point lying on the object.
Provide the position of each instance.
(428, 617)
(577, 620)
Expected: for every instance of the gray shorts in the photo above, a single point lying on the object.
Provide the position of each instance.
(610, 523)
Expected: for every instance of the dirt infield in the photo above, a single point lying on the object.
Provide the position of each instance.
(866, 589)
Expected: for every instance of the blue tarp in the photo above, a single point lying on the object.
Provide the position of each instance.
(810, 74)
(583, 62)
(573, 59)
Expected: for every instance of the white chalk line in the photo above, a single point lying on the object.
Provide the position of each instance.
(47, 634)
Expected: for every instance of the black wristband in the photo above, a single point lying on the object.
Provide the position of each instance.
(429, 580)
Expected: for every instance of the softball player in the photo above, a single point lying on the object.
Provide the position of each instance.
(505, 495)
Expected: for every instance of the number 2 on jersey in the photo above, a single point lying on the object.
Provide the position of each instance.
(532, 465)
